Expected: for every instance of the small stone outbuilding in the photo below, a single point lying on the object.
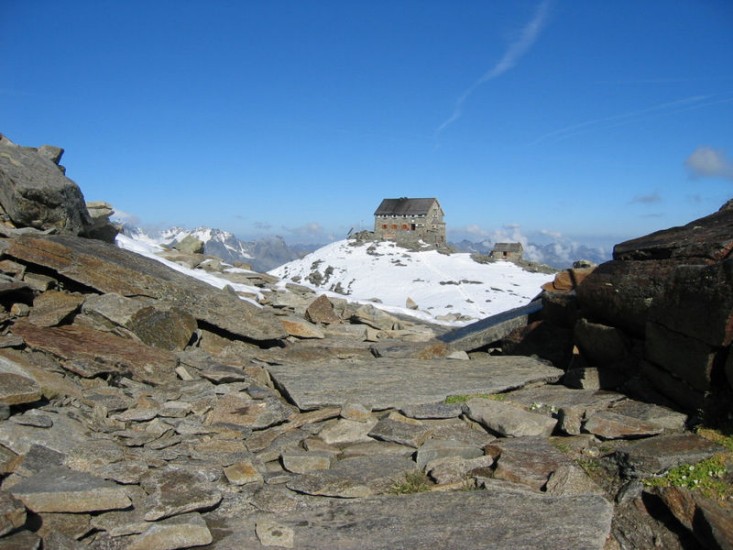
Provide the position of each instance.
(511, 252)
(411, 220)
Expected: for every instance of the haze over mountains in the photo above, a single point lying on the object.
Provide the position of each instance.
(267, 253)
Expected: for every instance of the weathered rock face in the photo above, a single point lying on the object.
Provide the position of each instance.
(621, 292)
(663, 307)
(706, 241)
(35, 193)
(109, 269)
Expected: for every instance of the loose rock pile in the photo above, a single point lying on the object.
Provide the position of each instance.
(144, 409)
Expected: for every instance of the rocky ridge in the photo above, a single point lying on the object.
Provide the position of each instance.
(144, 409)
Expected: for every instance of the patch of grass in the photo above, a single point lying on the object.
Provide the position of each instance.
(415, 482)
(462, 398)
(717, 437)
(709, 476)
(560, 446)
(590, 467)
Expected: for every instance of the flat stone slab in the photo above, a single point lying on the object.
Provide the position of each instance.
(62, 490)
(16, 384)
(545, 398)
(396, 383)
(489, 330)
(658, 454)
(90, 353)
(466, 520)
(508, 420)
(355, 477)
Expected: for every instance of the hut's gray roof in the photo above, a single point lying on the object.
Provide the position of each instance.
(405, 207)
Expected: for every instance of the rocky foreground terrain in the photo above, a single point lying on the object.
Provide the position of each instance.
(144, 409)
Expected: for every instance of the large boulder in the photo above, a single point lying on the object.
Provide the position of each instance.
(621, 292)
(34, 192)
(673, 290)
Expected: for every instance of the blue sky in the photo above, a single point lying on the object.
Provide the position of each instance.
(595, 120)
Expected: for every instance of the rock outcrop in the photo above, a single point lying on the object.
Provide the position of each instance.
(659, 314)
(35, 193)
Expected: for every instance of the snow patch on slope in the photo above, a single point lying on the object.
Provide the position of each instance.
(451, 288)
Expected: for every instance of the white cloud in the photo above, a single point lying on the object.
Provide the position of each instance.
(509, 233)
(706, 162)
(511, 57)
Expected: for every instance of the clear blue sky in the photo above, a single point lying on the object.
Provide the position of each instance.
(599, 120)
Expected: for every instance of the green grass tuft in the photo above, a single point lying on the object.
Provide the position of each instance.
(709, 476)
(415, 482)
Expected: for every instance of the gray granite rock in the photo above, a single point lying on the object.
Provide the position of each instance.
(355, 477)
(372, 448)
(243, 473)
(658, 454)
(344, 431)
(17, 385)
(399, 429)
(491, 329)
(65, 434)
(185, 531)
(35, 193)
(241, 411)
(432, 410)
(509, 420)
(301, 329)
(169, 328)
(173, 491)
(60, 541)
(611, 425)
(12, 513)
(376, 318)
(662, 417)
(435, 449)
(527, 460)
(550, 398)
(404, 382)
(53, 307)
(60, 489)
(466, 520)
(301, 462)
(21, 540)
(457, 470)
(74, 526)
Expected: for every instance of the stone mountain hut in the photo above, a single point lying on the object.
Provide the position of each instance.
(511, 252)
(406, 219)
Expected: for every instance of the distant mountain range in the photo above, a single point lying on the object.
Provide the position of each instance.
(270, 252)
(262, 254)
